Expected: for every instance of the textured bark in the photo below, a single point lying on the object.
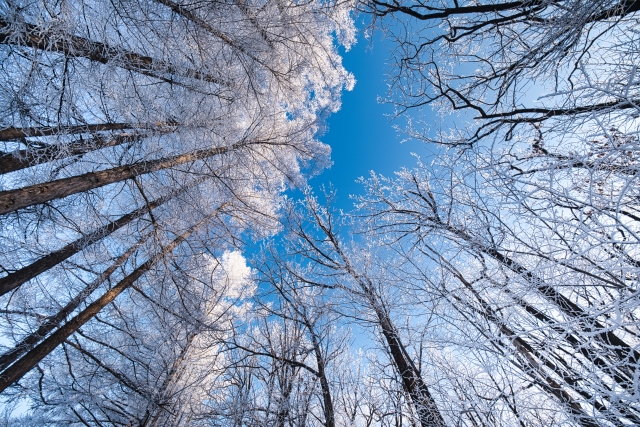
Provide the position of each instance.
(412, 382)
(329, 416)
(40, 193)
(11, 133)
(17, 160)
(75, 46)
(16, 371)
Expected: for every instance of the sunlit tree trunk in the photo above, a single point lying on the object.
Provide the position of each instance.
(52, 322)
(75, 46)
(13, 200)
(15, 279)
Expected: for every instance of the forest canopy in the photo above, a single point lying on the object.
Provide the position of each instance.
(156, 271)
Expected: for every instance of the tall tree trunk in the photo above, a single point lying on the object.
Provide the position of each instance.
(79, 47)
(591, 325)
(533, 361)
(186, 13)
(11, 133)
(40, 193)
(52, 322)
(532, 367)
(16, 371)
(423, 402)
(329, 413)
(17, 160)
(17, 278)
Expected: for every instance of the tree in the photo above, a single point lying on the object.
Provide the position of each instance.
(135, 134)
(512, 269)
(123, 372)
(492, 60)
(529, 220)
(332, 264)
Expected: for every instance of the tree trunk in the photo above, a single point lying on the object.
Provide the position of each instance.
(185, 13)
(622, 350)
(79, 47)
(531, 358)
(321, 374)
(11, 133)
(17, 278)
(40, 193)
(52, 322)
(425, 405)
(16, 371)
(17, 160)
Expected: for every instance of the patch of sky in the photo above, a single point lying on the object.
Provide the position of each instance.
(362, 135)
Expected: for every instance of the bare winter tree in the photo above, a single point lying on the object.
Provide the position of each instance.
(530, 233)
(521, 68)
(135, 136)
(523, 275)
(331, 263)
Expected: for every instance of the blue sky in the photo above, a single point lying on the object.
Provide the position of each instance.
(361, 136)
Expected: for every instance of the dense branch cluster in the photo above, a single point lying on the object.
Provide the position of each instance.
(142, 143)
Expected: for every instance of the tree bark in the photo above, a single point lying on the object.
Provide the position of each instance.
(425, 405)
(412, 382)
(79, 47)
(17, 160)
(330, 420)
(52, 322)
(16, 371)
(17, 278)
(13, 200)
(11, 133)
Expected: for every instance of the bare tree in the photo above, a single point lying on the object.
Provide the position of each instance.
(559, 301)
(317, 239)
(492, 60)
(135, 137)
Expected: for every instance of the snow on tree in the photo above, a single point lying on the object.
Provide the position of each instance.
(136, 136)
